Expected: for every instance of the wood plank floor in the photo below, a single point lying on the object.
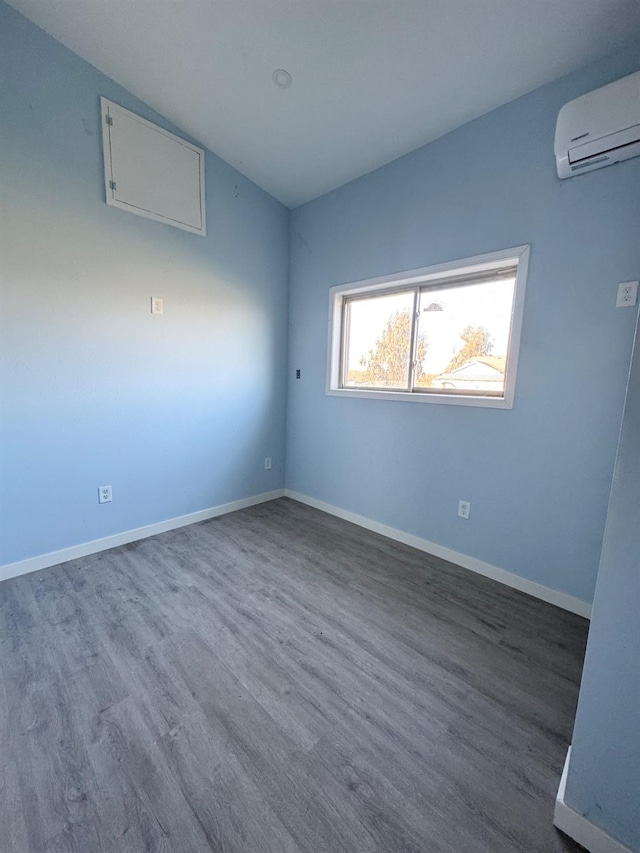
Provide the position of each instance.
(275, 681)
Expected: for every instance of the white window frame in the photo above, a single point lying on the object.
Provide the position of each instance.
(435, 276)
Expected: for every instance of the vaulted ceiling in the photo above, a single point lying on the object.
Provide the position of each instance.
(371, 79)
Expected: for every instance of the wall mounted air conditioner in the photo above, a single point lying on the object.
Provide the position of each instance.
(599, 128)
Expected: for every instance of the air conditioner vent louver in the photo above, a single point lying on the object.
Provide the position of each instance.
(574, 168)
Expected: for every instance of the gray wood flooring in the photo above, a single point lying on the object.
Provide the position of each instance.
(275, 681)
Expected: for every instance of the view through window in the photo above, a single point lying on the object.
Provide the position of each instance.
(448, 336)
(451, 339)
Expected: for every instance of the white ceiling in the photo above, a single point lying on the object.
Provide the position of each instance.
(372, 79)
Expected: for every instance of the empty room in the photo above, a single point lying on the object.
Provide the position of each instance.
(319, 426)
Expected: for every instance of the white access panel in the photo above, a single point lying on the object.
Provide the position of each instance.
(152, 172)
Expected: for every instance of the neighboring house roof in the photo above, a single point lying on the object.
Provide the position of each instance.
(479, 368)
(498, 362)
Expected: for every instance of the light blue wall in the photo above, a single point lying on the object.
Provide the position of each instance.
(538, 477)
(603, 782)
(177, 412)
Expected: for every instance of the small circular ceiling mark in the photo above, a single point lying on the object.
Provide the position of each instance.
(282, 78)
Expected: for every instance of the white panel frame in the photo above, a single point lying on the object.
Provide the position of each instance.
(109, 108)
(518, 255)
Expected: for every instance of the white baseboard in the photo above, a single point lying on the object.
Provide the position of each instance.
(553, 596)
(577, 826)
(33, 564)
(560, 599)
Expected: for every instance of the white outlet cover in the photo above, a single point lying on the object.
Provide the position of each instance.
(157, 305)
(267, 463)
(627, 294)
(464, 509)
(104, 494)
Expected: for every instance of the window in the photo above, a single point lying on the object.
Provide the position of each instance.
(445, 334)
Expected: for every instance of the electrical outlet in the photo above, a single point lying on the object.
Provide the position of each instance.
(298, 373)
(464, 509)
(157, 305)
(104, 494)
(627, 294)
(267, 463)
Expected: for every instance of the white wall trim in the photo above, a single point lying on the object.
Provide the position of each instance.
(43, 561)
(34, 564)
(577, 826)
(545, 593)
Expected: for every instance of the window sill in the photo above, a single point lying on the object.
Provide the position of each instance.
(439, 399)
